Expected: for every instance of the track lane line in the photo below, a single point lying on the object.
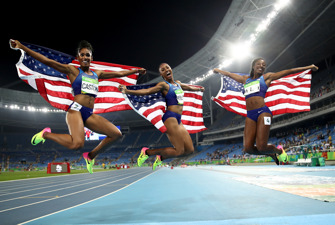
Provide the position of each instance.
(90, 200)
(5, 210)
(56, 186)
(77, 185)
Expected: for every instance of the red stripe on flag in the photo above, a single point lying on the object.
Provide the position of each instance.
(288, 110)
(151, 110)
(291, 101)
(120, 107)
(192, 95)
(108, 100)
(189, 113)
(297, 93)
(194, 105)
(192, 123)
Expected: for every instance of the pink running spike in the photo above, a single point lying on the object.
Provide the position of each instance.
(85, 155)
(144, 149)
(47, 129)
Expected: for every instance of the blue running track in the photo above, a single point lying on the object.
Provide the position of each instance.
(193, 195)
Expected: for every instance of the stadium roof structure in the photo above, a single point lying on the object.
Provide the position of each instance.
(301, 34)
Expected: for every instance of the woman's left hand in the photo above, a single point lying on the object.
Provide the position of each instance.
(314, 67)
(122, 89)
(142, 71)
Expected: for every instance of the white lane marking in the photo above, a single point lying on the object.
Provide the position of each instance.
(89, 201)
(5, 210)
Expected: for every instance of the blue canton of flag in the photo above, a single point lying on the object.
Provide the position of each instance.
(232, 85)
(139, 101)
(56, 88)
(290, 94)
(152, 107)
(39, 67)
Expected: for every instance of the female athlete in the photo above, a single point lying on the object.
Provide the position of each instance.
(259, 116)
(179, 137)
(80, 113)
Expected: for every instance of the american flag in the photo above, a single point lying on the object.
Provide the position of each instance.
(152, 107)
(290, 94)
(55, 87)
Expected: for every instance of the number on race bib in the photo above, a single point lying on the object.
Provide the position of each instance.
(252, 87)
(180, 96)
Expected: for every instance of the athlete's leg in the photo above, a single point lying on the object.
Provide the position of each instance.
(76, 138)
(102, 126)
(262, 137)
(250, 131)
(249, 137)
(176, 137)
(188, 143)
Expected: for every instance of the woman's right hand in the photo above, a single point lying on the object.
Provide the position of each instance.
(216, 70)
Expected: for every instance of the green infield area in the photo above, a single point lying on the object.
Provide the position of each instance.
(4, 176)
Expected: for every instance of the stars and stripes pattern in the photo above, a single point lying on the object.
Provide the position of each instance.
(152, 107)
(290, 94)
(55, 87)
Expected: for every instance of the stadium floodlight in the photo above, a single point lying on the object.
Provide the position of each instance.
(240, 50)
(281, 4)
(243, 49)
(226, 63)
(31, 108)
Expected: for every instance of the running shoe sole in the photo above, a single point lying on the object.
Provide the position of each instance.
(38, 138)
(89, 162)
(157, 162)
(142, 157)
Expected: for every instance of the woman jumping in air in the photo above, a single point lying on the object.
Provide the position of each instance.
(179, 137)
(259, 116)
(80, 113)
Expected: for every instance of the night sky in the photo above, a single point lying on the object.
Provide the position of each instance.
(137, 33)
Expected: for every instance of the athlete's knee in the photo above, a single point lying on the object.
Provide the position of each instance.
(262, 147)
(180, 150)
(248, 149)
(115, 135)
(189, 151)
(77, 145)
(118, 134)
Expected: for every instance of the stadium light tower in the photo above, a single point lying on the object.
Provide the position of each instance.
(243, 49)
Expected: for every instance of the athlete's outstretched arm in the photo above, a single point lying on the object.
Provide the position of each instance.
(238, 78)
(159, 87)
(283, 73)
(63, 68)
(189, 87)
(107, 75)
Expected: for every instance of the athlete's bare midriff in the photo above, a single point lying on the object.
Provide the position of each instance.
(85, 100)
(255, 102)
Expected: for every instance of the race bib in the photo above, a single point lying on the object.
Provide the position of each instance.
(267, 120)
(180, 96)
(89, 86)
(252, 87)
(75, 106)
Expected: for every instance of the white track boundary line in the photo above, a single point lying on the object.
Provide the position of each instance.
(88, 201)
(60, 175)
(64, 188)
(5, 210)
(37, 183)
